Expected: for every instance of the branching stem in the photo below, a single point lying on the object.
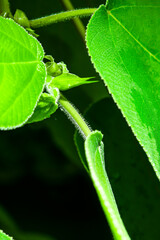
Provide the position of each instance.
(74, 116)
(77, 22)
(59, 17)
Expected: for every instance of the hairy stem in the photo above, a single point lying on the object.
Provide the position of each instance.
(5, 8)
(74, 116)
(77, 22)
(59, 17)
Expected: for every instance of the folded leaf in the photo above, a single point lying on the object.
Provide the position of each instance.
(132, 178)
(124, 45)
(22, 74)
(46, 106)
(95, 157)
(54, 69)
(66, 81)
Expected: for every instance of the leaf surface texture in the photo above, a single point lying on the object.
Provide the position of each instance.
(124, 42)
(22, 74)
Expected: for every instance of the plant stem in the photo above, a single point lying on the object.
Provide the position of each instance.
(5, 8)
(59, 17)
(68, 5)
(74, 116)
(77, 22)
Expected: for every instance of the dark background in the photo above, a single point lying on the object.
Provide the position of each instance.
(46, 193)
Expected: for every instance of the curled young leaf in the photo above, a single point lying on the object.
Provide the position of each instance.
(94, 150)
(54, 69)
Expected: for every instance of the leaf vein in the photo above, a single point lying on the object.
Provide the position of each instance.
(15, 40)
(16, 99)
(134, 6)
(17, 63)
(132, 36)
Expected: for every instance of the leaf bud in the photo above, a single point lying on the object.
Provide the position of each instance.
(21, 18)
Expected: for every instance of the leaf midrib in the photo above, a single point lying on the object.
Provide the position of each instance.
(15, 63)
(15, 40)
(18, 96)
(132, 36)
(134, 6)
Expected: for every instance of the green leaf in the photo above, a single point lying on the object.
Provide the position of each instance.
(95, 157)
(67, 81)
(22, 74)
(124, 45)
(46, 106)
(4, 236)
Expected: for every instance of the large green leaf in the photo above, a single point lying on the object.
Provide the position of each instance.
(3, 236)
(124, 44)
(22, 74)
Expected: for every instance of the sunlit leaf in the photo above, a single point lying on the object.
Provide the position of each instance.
(4, 236)
(22, 74)
(124, 45)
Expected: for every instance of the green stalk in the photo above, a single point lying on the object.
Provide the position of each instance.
(59, 17)
(68, 5)
(74, 116)
(77, 22)
(5, 8)
(94, 156)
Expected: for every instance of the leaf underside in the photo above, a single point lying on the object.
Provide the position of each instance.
(46, 106)
(22, 74)
(124, 42)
